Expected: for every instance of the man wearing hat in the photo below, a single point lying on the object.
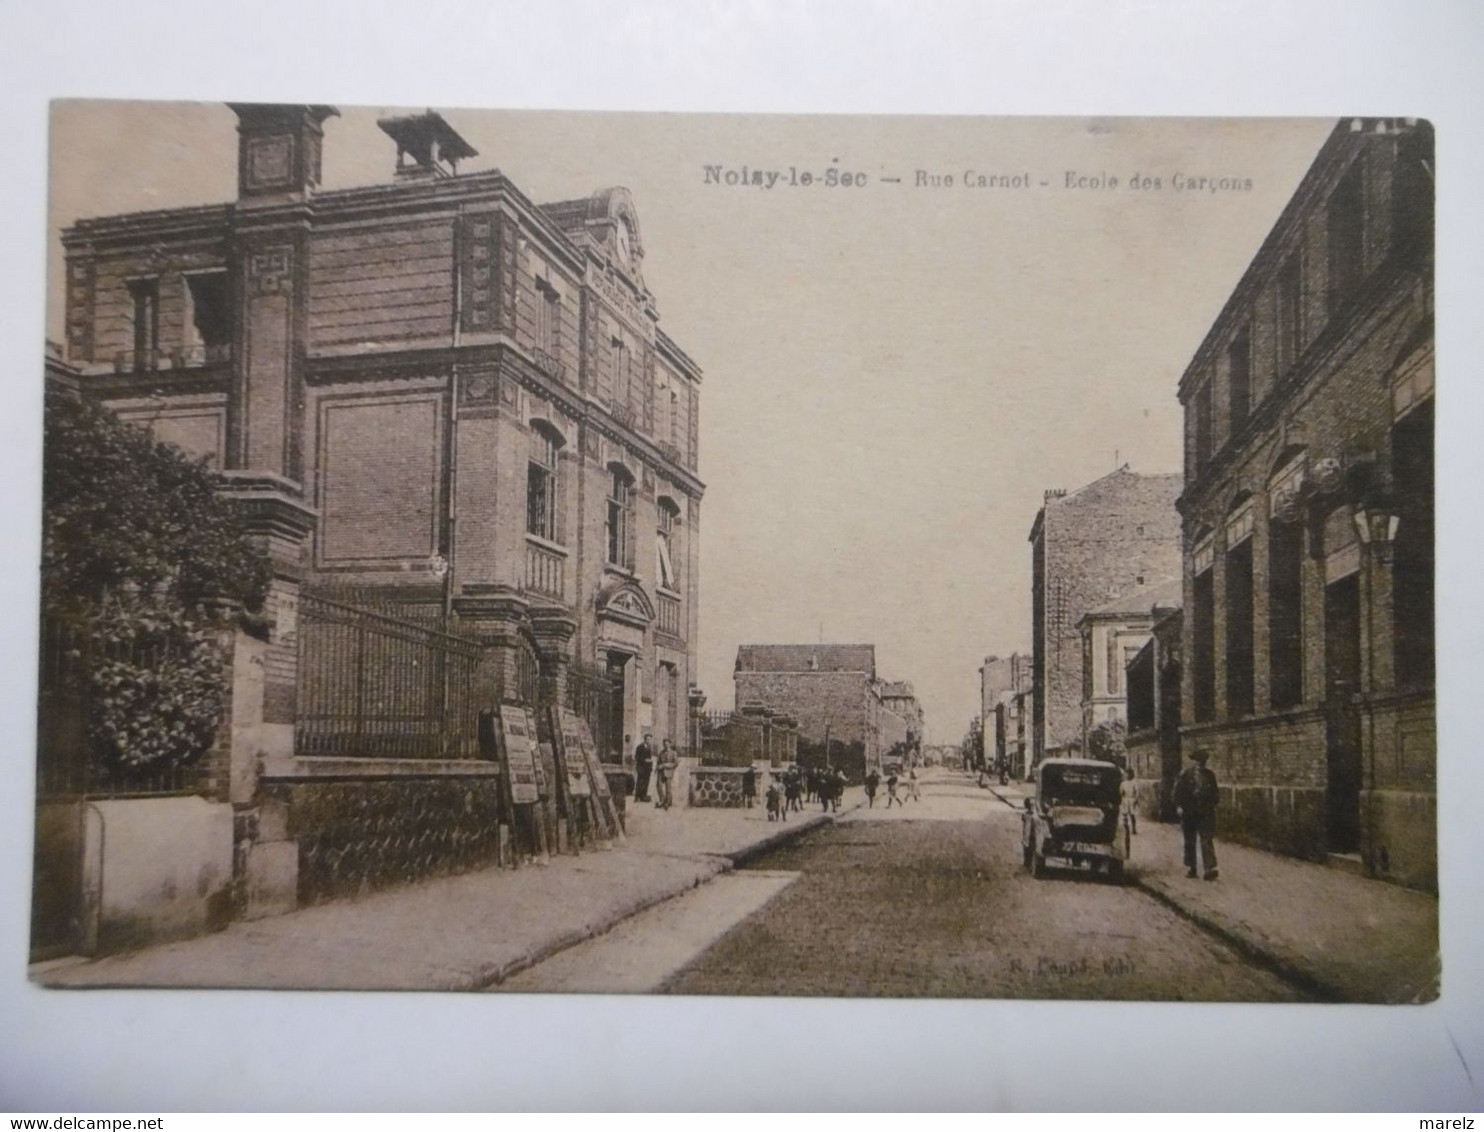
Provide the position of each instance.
(1196, 795)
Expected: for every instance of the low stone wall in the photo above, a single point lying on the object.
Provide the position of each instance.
(352, 836)
(717, 786)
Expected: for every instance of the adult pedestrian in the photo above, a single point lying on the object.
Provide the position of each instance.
(792, 788)
(643, 768)
(1196, 795)
(837, 789)
(872, 781)
(912, 783)
(749, 786)
(665, 788)
(891, 789)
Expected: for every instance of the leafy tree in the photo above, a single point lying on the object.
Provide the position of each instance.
(1106, 741)
(136, 544)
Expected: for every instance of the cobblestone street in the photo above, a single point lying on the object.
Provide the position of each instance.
(930, 899)
(924, 899)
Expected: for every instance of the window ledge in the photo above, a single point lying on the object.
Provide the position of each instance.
(668, 592)
(546, 544)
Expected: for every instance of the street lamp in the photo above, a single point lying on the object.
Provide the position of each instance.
(1376, 523)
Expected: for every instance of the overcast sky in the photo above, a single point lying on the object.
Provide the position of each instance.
(893, 373)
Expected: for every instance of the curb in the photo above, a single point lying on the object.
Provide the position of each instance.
(783, 837)
(1247, 947)
(726, 862)
(489, 978)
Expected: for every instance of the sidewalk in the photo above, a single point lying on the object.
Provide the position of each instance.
(456, 933)
(1344, 938)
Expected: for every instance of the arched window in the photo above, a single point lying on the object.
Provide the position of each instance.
(620, 517)
(543, 482)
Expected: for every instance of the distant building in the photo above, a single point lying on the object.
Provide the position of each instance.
(1308, 519)
(1112, 636)
(898, 698)
(1090, 547)
(1002, 680)
(832, 691)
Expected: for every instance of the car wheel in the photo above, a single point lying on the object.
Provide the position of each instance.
(1115, 871)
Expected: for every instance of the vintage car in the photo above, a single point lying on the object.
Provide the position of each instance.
(1073, 819)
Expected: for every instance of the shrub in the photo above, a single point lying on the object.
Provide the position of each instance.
(136, 544)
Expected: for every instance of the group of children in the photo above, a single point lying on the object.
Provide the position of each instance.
(785, 792)
(894, 780)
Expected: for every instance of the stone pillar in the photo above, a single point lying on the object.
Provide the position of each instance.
(554, 629)
(697, 701)
(494, 615)
(264, 692)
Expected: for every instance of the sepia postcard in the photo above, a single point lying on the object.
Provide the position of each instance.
(739, 555)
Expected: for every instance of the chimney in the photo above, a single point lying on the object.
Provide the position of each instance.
(435, 147)
(278, 149)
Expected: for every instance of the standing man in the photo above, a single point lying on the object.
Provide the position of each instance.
(1196, 795)
(664, 791)
(643, 767)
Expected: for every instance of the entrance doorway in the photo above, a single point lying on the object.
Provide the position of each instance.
(1342, 713)
(620, 720)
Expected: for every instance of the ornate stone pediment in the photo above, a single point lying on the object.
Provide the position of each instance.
(627, 602)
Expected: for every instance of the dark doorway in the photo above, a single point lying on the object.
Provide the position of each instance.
(622, 742)
(1342, 713)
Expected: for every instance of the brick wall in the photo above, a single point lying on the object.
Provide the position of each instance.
(381, 284)
(1096, 545)
(814, 699)
(1332, 402)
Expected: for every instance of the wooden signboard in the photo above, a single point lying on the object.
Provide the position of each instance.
(520, 754)
(594, 767)
(578, 783)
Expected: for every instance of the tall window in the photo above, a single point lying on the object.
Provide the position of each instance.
(1239, 379)
(209, 325)
(1346, 225)
(1290, 312)
(1203, 426)
(1412, 193)
(669, 513)
(1239, 630)
(1285, 614)
(145, 294)
(542, 483)
(623, 394)
(1203, 637)
(620, 518)
(1115, 664)
(1412, 558)
(548, 319)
